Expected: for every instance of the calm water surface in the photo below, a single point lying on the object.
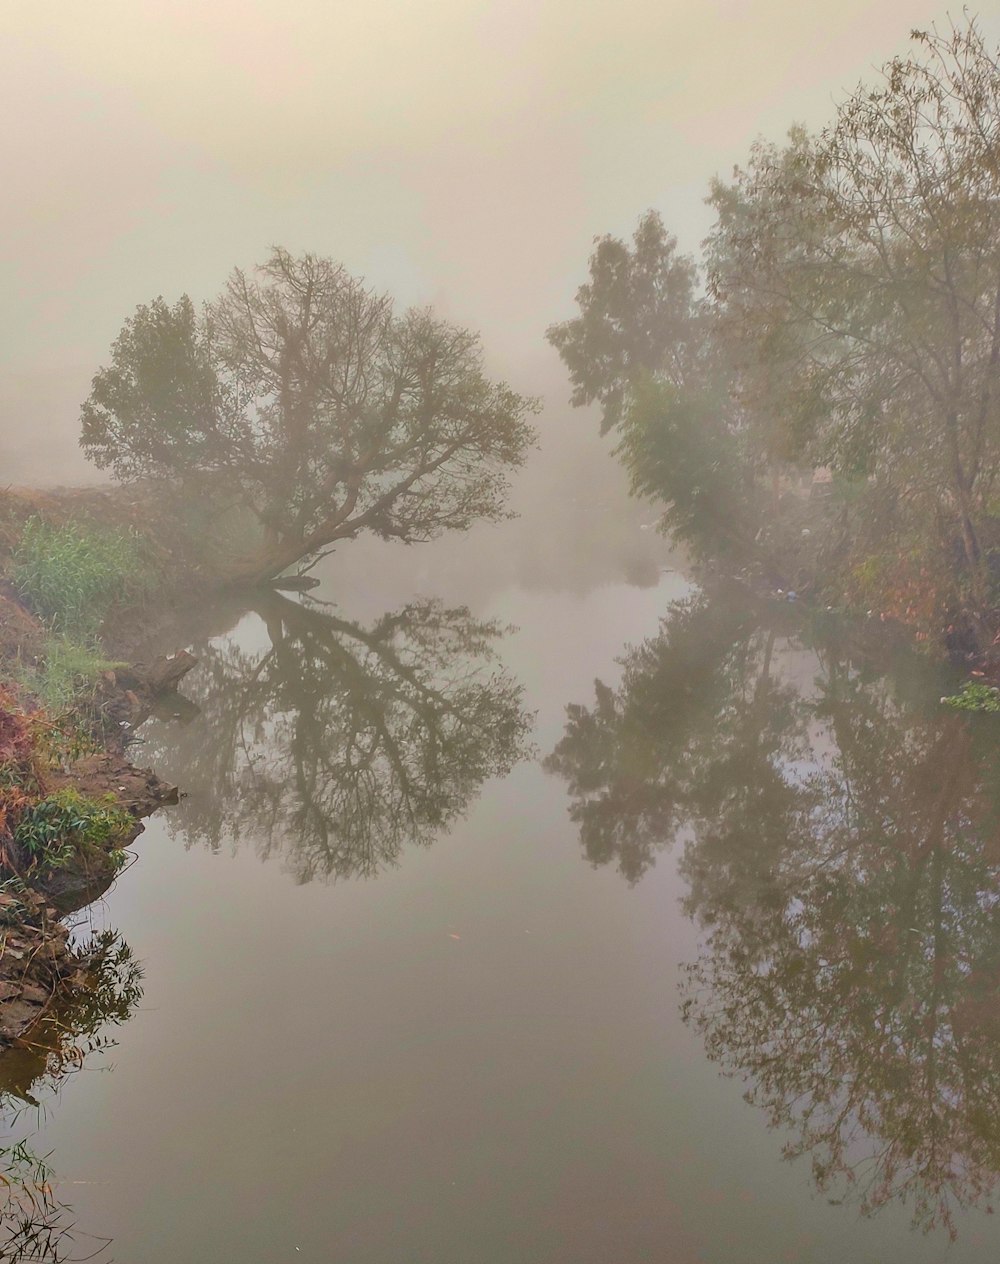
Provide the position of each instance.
(436, 972)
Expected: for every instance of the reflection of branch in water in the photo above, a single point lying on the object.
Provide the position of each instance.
(340, 744)
(842, 856)
(35, 1224)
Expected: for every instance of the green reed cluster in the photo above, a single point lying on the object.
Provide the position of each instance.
(73, 574)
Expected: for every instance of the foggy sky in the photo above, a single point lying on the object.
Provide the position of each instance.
(455, 153)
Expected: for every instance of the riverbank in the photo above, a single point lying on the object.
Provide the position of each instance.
(812, 551)
(71, 800)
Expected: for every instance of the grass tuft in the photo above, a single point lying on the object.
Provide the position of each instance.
(66, 674)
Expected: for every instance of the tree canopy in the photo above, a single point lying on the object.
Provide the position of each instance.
(845, 314)
(638, 315)
(302, 397)
(869, 258)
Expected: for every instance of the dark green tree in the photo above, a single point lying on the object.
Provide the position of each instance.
(681, 448)
(639, 316)
(303, 399)
(648, 348)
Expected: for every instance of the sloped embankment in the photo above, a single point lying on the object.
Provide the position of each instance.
(70, 803)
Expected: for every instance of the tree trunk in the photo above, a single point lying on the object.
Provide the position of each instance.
(166, 671)
(976, 563)
(961, 489)
(260, 568)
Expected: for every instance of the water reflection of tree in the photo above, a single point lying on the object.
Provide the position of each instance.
(339, 743)
(842, 851)
(35, 1223)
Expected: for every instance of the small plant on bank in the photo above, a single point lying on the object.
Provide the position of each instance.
(66, 826)
(975, 696)
(19, 783)
(14, 907)
(73, 574)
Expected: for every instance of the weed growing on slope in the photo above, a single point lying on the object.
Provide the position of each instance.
(42, 829)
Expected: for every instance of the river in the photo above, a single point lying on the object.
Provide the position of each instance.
(434, 971)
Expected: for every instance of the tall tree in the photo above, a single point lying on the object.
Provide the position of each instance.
(867, 259)
(851, 319)
(639, 315)
(303, 397)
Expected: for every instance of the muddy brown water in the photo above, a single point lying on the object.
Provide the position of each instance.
(402, 1004)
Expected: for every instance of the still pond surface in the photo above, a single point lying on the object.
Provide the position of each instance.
(436, 971)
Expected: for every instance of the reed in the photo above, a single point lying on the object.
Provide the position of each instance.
(73, 574)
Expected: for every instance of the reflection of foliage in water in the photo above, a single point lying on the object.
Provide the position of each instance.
(339, 744)
(35, 1224)
(842, 851)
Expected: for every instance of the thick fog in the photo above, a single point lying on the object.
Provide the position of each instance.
(457, 154)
